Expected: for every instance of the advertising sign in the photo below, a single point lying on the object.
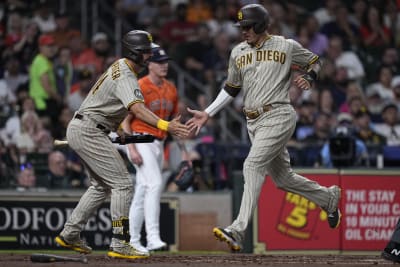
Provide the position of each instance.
(289, 221)
(370, 207)
(33, 223)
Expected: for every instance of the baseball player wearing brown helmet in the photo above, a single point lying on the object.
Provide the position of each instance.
(115, 94)
(261, 67)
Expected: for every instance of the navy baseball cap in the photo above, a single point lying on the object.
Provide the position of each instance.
(159, 54)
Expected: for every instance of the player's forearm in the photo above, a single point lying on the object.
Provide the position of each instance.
(220, 101)
(140, 111)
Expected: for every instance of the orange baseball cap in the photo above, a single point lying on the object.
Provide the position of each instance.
(46, 39)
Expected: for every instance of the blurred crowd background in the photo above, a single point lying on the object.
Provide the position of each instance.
(349, 119)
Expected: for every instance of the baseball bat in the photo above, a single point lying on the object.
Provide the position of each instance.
(56, 258)
(136, 138)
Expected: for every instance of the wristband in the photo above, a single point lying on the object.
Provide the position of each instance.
(162, 125)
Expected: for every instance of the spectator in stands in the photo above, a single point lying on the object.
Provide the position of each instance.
(178, 30)
(44, 17)
(27, 47)
(15, 22)
(326, 13)
(80, 89)
(396, 93)
(77, 45)
(129, 9)
(59, 132)
(343, 27)
(26, 178)
(359, 8)
(346, 59)
(13, 124)
(375, 104)
(8, 163)
(390, 128)
(7, 99)
(198, 11)
(391, 19)
(220, 23)
(42, 83)
(25, 139)
(57, 175)
(321, 130)
(279, 17)
(316, 41)
(383, 86)
(364, 130)
(13, 75)
(163, 15)
(305, 119)
(191, 54)
(390, 57)
(33, 136)
(353, 90)
(326, 103)
(94, 57)
(63, 29)
(374, 34)
(215, 61)
(64, 72)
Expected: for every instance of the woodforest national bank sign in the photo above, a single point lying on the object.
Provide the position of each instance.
(33, 223)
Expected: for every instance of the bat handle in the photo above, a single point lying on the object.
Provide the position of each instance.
(60, 142)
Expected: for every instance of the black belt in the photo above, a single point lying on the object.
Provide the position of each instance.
(98, 126)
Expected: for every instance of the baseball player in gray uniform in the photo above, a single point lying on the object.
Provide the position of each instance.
(115, 94)
(392, 249)
(261, 67)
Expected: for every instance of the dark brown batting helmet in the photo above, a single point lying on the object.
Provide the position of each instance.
(253, 15)
(136, 43)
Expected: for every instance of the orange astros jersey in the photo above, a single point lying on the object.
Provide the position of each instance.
(162, 100)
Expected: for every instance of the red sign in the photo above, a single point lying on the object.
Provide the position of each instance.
(370, 205)
(289, 221)
(371, 209)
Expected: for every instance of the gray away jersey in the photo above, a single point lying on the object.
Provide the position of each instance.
(113, 94)
(264, 72)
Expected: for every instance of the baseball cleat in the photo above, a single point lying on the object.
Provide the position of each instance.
(157, 246)
(392, 252)
(127, 252)
(334, 219)
(79, 245)
(226, 236)
(390, 257)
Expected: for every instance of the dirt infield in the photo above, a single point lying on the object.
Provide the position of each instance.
(174, 260)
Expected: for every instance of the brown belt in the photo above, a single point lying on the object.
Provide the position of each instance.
(254, 114)
(98, 126)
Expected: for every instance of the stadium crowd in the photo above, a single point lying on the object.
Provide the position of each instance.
(47, 67)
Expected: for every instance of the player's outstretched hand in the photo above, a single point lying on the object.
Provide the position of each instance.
(198, 120)
(303, 82)
(178, 129)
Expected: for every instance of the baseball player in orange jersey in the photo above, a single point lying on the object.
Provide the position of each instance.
(114, 95)
(261, 67)
(160, 96)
